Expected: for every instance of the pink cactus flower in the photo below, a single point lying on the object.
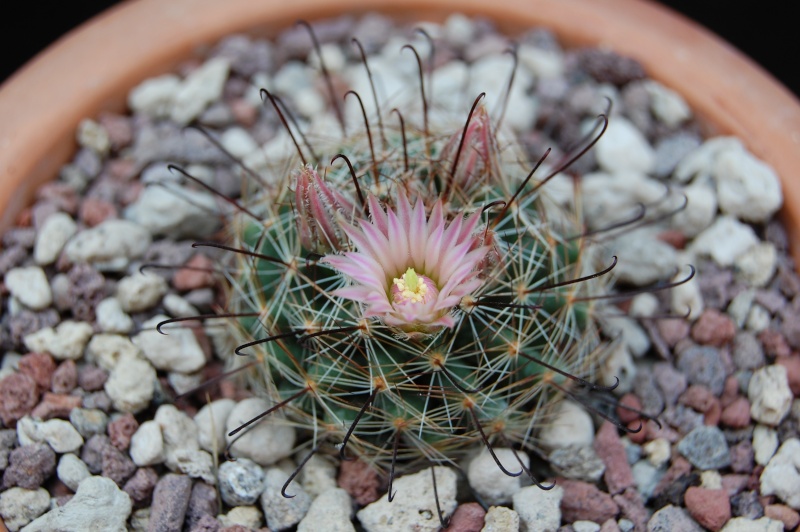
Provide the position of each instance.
(408, 271)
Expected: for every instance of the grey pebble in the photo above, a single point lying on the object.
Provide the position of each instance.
(92, 452)
(747, 351)
(88, 421)
(170, 502)
(202, 503)
(116, 465)
(672, 518)
(579, 463)
(671, 381)
(746, 504)
(240, 482)
(140, 486)
(645, 387)
(670, 150)
(705, 447)
(99, 400)
(703, 365)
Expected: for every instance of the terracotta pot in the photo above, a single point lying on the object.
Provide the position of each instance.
(93, 68)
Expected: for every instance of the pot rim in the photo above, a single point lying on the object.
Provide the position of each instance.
(726, 90)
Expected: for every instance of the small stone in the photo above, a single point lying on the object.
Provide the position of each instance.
(131, 384)
(202, 503)
(111, 318)
(140, 291)
(177, 351)
(774, 343)
(106, 350)
(140, 486)
(784, 514)
(765, 443)
(17, 397)
(671, 381)
(52, 236)
(747, 504)
(706, 448)
(154, 96)
(742, 457)
(170, 502)
(193, 276)
(584, 501)
(657, 451)
(200, 88)
(577, 463)
(792, 365)
(710, 508)
(539, 509)
(282, 513)
(94, 211)
(769, 394)
(672, 518)
(211, 421)
(501, 519)
(414, 506)
(468, 517)
(725, 240)
(71, 471)
(609, 448)
(92, 135)
(241, 519)
(30, 286)
(646, 477)
(747, 351)
(196, 464)
(667, 105)
(110, 245)
(781, 477)
(147, 445)
(747, 188)
(240, 482)
(332, 511)
(91, 378)
(20, 506)
(66, 341)
(737, 414)
(29, 466)
(121, 429)
(65, 377)
(179, 433)
(713, 328)
(746, 524)
(489, 481)
(573, 427)
(92, 452)
(173, 212)
(116, 465)
(61, 436)
(267, 442)
(360, 481)
(703, 365)
(757, 265)
(39, 366)
(88, 421)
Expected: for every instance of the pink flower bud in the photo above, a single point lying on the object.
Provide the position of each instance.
(477, 162)
(317, 206)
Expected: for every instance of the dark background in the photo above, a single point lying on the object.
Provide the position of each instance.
(761, 29)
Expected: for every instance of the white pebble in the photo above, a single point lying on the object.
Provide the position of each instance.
(30, 286)
(545, 64)
(266, 442)
(330, 511)
(282, 513)
(500, 519)
(765, 443)
(570, 426)
(488, 481)
(459, 30)
(318, 475)
(147, 445)
(154, 97)
(769, 394)
(175, 212)
(140, 291)
(757, 265)
(178, 350)
(177, 306)
(414, 505)
(98, 504)
(585, 526)
(92, 135)
(539, 509)
(108, 246)
(686, 297)
(195, 463)
(746, 187)
(644, 305)
(726, 239)
(667, 105)
(642, 258)
(211, 421)
(179, 432)
(238, 142)
(131, 384)
(61, 436)
(739, 307)
(758, 319)
(333, 56)
(699, 164)
(106, 350)
(623, 148)
(20, 506)
(111, 318)
(628, 331)
(240, 482)
(71, 471)
(657, 451)
(746, 524)
(700, 211)
(200, 88)
(781, 477)
(618, 368)
(184, 382)
(54, 234)
(66, 341)
(611, 198)
(249, 517)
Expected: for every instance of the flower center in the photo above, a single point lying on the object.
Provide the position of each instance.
(412, 288)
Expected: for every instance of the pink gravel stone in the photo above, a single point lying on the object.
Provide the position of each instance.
(56, 405)
(40, 367)
(94, 211)
(632, 507)
(710, 508)
(18, 396)
(65, 377)
(120, 431)
(631, 401)
(673, 331)
(737, 414)
(359, 480)
(467, 518)
(774, 343)
(713, 328)
(608, 446)
(697, 397)
(783, 513)
(187, 279)
(792, 365)
(585, 502)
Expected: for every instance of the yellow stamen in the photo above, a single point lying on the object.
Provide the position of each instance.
(410, 286)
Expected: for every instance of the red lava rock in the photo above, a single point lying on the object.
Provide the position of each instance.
(673, 237)
(698, 397)
(609, 448)
(730, 391)
(792, 365)
(631, 401)
(737, 414)
(94, 211)
(193, 275)
(359, 480)
(713, 328)
(17, 397)
(65, 377)
(92, 378)
(120, 431)
(774, 343)
(140, 486)
(467, 518)
(710, 508)
(39, 366)
(673, 331)
(783, 513)
(584, 501)
(170, 502)
(712, 416)
(29, 466)
(632, 506)
(56, 405)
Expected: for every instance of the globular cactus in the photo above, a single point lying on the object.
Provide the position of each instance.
(408, 290)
